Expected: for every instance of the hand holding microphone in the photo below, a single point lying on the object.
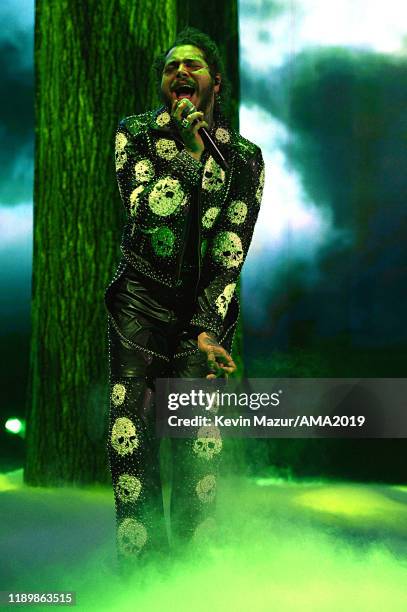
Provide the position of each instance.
(193, 131)
(189, 120)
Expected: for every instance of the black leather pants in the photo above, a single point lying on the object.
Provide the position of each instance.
(148, 340)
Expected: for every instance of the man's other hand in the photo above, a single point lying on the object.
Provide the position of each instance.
(220, 363)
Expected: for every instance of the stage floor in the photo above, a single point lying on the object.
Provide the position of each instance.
(286, 545)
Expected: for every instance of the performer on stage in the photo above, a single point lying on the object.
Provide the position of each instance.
(172, 304)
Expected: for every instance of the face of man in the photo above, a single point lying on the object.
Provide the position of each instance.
(186, 75)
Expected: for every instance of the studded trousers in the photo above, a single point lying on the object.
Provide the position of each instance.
(149, 340)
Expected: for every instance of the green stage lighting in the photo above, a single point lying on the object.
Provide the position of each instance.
(15, 426)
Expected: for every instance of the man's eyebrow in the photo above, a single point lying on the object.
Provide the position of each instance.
(186, 59)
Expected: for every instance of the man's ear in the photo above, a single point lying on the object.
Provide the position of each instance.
(218, 80)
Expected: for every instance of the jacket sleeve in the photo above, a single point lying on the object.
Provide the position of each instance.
(138, 171)
(229, 245)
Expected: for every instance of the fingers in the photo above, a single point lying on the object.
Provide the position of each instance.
(193, 118)
(212, 365)
(227, 368)
(220, 374)
(198, 125)
(225, 360)
(220, 363)
(194, 121)
(178, 106)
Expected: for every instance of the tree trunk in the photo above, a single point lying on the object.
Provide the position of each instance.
(92, 62)
(93, 66)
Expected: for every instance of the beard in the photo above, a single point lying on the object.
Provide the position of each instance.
(206, 100)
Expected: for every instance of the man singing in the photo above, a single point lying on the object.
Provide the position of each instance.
(172, 306)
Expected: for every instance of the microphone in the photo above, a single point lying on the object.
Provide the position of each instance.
(207, 140)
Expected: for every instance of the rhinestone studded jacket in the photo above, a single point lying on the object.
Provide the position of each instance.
(158, 179)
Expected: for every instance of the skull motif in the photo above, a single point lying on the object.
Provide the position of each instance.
(131, 537)
(206, 488)
(135, 199)
(227, 249)
(259, 191)
(209, 217)
(213, 176)
(124, 437)
(144, 171)
(166, 196)
(128, 488)
(222, 301)
(163, 241)
(208, 442)
(120, 153)
(222, 135)
(118, 394)
(163, 119)
(166, 148)
(237, 212)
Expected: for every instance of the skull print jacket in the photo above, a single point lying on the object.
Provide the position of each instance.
(157, 179)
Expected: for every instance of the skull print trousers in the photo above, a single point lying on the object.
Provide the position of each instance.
(149, 339)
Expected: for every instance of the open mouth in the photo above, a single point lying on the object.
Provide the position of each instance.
(183, 91)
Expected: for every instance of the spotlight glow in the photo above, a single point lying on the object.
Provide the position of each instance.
(15, 426)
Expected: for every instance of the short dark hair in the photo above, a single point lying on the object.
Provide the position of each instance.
(193, 36)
